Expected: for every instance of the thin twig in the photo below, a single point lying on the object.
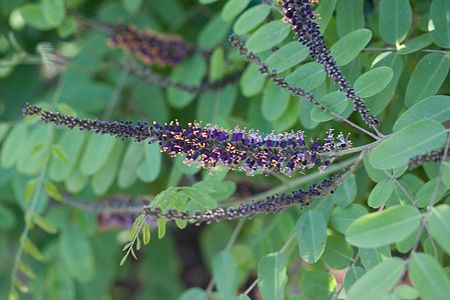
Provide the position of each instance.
(388, 49)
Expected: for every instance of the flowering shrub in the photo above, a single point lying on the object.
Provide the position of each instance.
(309, 145)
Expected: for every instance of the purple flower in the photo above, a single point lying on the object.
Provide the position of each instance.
(210, 146)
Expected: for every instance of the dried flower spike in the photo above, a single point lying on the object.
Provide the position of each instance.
(299, 14)
(151, 47)
(210, 146)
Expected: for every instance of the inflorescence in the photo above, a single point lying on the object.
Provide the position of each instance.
(299, 14)
(211, 146)
(430, 157)
(151, 47)
(272, 204)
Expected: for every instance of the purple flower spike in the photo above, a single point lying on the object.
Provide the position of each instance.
(210, 146)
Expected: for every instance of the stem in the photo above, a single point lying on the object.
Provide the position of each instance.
(374, 49)
(353, 150)
(295, 182)
(28, 222)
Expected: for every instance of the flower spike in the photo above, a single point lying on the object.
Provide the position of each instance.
(210, 146)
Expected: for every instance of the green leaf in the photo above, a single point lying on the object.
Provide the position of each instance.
(335, 101)
(132, 6)
(215, 32)
(427, 78)
(200, 198)
(224, 270)
(252, 82)
(433, 107)
(342, 217)
(68, 27)
(215, 107)
(149, 169)
(76, 182)
(394, 20)
(58, 153)
(346, 192)
(251, 18)
(31, 249)
(289, 117)
(406, 292)
(428, 277)
(317, 284)
(217, 65)
(425, 194)
(373, 82)
(338, 254)
(34, 16)
(52, 191)
(385, 227)
(394, 61)
(146, 234)
(33, 158)
(77, 254)
(272, 277)
(233, 8)
(414, 139)
(307, 76)
(13, 145)
(63, 286)
(446, 174)
(287, 56)
(191, 72)
(96, 154)
(379, 281)
(267, 36)
(44, 224)
(371, 257)
(161, 227)
(348, 47)
(311, 235)
(325, 11)
(439, 24)
(408, 243)
(54, 12)
(274, 103)
(439, 226)
(415, 44)
(380, 193)
(7, 218)
(349, 16)
(194, 293)
(105, 177)
(131, 161)
(352, 275)
(4, 127)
